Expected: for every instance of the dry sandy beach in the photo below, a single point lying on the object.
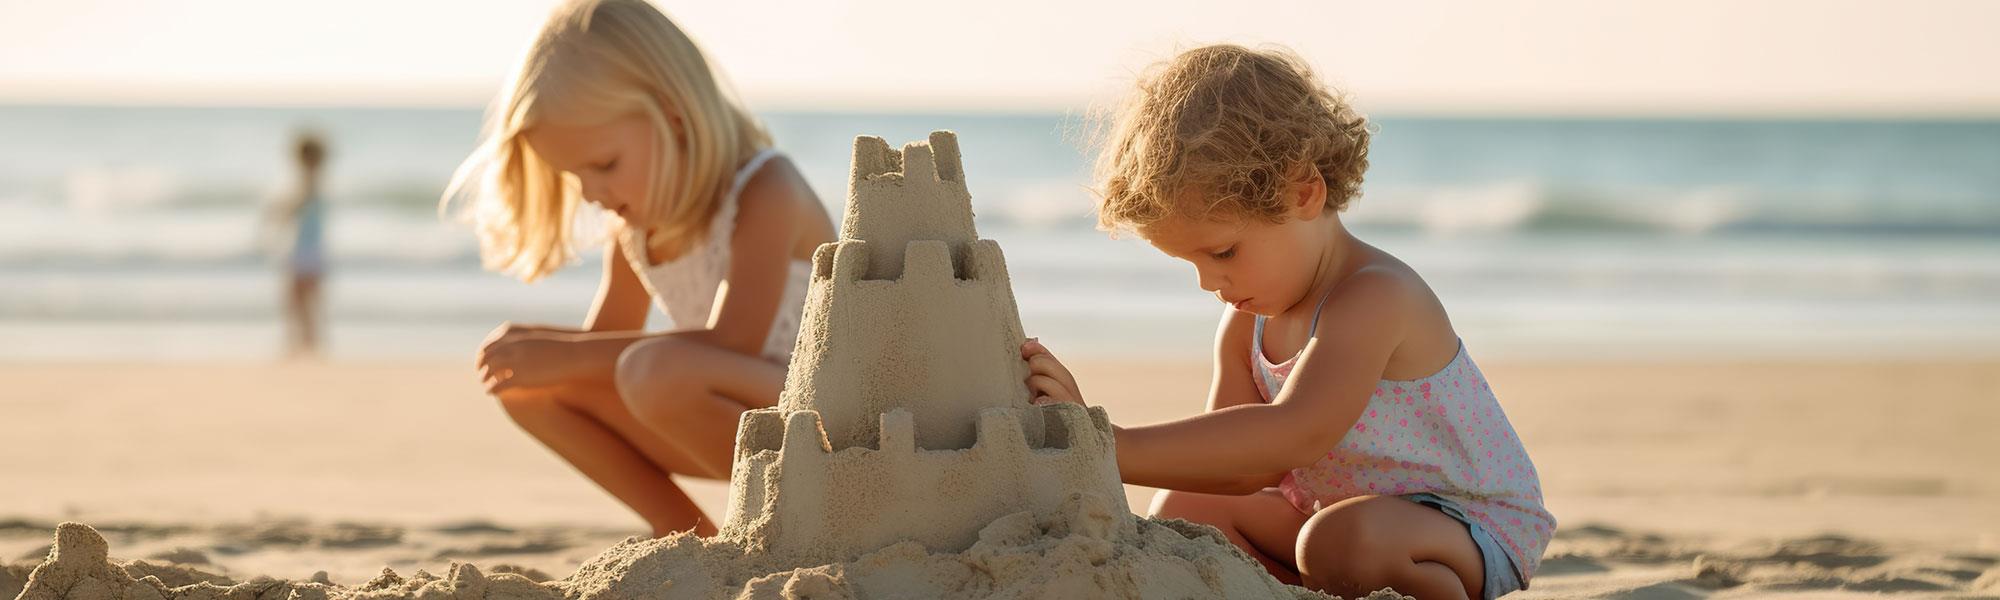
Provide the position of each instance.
(1672, 479)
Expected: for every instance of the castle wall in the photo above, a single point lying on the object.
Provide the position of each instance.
(940, 498)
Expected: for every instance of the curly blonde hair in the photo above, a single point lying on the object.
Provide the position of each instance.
(1221, 132)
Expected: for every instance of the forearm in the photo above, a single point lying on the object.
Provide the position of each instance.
(593, 356)
(596, 352)
(1217, 448)
(547, 328)
(1230, 485)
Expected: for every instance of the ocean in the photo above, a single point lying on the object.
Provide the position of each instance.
(135, 234)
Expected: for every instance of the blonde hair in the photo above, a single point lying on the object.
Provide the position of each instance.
(1221, 132)
(596, 60)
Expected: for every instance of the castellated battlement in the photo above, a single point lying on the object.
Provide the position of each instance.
(894, 198)
(1049, 447)
(924, 262)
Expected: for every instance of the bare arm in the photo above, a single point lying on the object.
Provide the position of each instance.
(617, 319)
(590, 354)
(1232, 386)
(746, 303)
(620, 305)
(621, 300)
(1359, 329)
(767, 223)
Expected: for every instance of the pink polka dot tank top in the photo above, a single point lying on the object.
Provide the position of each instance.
(1444, 434)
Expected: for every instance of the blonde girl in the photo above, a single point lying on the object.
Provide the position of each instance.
(614, 106)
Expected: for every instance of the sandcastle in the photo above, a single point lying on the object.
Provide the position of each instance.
(905, 407)
(903, 460)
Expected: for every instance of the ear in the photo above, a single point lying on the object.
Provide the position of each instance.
(1307, 193)
(677, 126)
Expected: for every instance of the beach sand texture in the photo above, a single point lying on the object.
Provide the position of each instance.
(1790, 479)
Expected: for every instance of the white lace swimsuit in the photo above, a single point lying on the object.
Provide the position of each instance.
(685, 287)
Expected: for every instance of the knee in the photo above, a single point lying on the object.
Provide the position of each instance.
(1206, 509)
(1341, 549)
(526, 405)
(654, 377)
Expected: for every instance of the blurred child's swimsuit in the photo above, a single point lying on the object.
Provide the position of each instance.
(308, 257)
(1441, 441)
(685, 287)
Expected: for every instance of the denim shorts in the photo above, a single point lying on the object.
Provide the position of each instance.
(1501, 578)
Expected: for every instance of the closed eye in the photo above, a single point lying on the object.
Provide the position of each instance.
(1224, 254)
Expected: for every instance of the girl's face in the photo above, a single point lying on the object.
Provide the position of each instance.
(1254, 265)
(611, 159)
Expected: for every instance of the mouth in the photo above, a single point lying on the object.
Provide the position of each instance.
(1239, 304)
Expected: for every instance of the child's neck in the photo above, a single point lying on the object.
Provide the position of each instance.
(1339, 257)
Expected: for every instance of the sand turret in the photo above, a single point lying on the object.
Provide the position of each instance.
(909, 309)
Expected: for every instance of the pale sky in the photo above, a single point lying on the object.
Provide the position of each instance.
(1798, 57)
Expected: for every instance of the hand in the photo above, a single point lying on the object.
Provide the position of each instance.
(520, 356)
(1048, 380)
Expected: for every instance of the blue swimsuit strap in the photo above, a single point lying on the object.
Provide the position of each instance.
(1312, 330)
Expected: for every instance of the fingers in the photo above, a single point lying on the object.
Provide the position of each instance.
(1032, 347)
(1043, 362)
(496, 380)
(497, 353)
(489, 358)
(489, 346)
(1044, 390)
(494, 356)
(1048, 380)
(1047, 365)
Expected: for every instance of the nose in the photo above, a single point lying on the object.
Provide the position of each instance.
(595, 191)
(1209, 280)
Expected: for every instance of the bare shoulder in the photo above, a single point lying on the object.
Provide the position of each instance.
(778, 200)
(777, 184)
(1378, 290)
(1233, 333)
(1388, 298)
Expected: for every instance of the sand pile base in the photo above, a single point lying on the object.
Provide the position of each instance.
(1069, 554)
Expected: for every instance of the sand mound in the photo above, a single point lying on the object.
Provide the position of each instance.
(1068, 554)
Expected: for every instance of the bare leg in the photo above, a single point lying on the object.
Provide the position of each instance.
(1263, 524)
(307, 286)
(298, 316)
(568, 421)
(692, 395)
(1363, 544)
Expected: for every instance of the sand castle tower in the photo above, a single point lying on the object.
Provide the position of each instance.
(904, 414)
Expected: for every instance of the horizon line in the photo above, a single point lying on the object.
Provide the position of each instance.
(1385, 105)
